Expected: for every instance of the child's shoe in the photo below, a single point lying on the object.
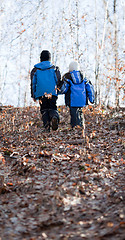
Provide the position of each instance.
(55, 123)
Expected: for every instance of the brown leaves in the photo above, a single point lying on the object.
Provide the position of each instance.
(62, 179)
(1, 183)
(2, 159)
(3, 186)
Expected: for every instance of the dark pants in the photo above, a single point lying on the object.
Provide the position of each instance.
(48, 110)
(47, 115)
(76, 116)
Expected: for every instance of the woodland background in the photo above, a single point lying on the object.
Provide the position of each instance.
(91, 32)
(66, 184)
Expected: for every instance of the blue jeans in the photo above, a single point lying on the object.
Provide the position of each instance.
(76, 116)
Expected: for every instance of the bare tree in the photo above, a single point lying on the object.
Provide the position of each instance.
(99, 52)
(77, 29)
(116, 56)
(67, 29)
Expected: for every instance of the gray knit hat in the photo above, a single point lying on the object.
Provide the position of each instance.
(73, 66)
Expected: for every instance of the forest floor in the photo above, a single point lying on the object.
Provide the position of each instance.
(63, 185)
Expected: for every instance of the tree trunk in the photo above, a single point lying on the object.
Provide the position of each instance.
(96, 57)
(116, 57)
(99, 52)
(77, 27)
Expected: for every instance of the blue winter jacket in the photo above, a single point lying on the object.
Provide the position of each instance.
(77, 90)
(44, 80)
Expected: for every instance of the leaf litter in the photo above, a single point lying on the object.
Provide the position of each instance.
(67, 184)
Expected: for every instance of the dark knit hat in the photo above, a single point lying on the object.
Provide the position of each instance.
(45, 56)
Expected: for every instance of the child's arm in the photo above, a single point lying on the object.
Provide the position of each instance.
(90, 91)
(34, 82)
(31, 77)
(65, 86)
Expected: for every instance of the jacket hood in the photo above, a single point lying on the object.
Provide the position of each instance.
(43, 65)
(76, 77)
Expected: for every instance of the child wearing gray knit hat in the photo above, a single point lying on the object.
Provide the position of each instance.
(78, 91)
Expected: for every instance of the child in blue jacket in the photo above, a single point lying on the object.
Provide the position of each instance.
(45, 79)
(77, 93)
